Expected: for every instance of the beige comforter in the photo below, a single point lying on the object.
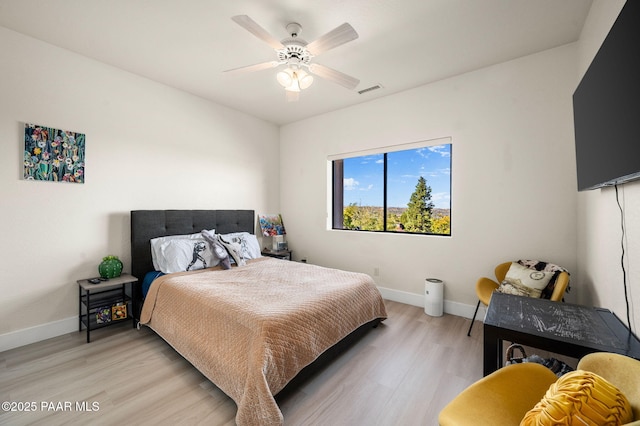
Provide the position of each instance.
(251, 329)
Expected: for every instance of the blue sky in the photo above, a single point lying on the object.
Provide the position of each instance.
(363, 176)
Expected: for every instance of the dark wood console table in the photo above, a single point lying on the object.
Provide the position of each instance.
(562, 328)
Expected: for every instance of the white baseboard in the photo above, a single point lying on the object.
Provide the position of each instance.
(37, 333)
(453, 308)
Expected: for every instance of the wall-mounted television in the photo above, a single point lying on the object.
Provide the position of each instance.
(606, 107)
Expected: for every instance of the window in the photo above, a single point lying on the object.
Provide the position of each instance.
(403, 190)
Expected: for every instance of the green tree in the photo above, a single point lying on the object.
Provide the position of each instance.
(392, 221)
(441, 225)
(364, 218)
(417, 217)
(350, 214)
(373, 219)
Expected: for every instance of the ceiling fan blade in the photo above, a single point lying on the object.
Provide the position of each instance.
(255, 67)
(250, 25)
(334, 38)
(335, 76)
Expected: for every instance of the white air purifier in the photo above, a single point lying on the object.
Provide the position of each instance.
(433, 297)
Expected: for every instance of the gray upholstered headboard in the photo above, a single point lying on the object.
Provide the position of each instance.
(148, 224)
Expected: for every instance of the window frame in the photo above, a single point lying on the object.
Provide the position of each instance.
(336, 170)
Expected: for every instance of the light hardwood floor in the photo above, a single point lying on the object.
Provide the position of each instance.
(401, 373)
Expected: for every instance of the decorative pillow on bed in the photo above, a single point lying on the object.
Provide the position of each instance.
(185, 254)
(523, 281)
(234, 249)
(219, 251)
(249, 246)
(157, 242)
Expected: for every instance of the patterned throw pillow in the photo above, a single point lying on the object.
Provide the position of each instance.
(249, 246)
(219, 251)
(234, 249)
(523, 281)
(580, 398)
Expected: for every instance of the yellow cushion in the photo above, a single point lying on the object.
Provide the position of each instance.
(580, 398)
(620, 370)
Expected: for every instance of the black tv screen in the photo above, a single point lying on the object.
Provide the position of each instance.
(606, 107)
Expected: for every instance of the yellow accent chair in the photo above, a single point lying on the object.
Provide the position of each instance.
(508, 396)
(486, 286)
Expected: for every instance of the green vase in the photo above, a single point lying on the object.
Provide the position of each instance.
(110, 267)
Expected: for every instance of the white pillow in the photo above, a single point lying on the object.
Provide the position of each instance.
(185, 254)
(523, 281)
(157, 242)
(249, 246)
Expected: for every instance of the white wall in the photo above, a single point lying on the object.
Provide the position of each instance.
(513, 181)
(147, 147)
(599, 221)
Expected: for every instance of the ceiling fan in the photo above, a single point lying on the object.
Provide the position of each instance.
(296, 54)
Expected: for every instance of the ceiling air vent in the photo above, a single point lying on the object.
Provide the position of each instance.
(370, 89)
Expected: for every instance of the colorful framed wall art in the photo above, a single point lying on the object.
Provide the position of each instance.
(53, 155)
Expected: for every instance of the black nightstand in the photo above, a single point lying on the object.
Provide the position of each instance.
(106, 297)
(278, 254)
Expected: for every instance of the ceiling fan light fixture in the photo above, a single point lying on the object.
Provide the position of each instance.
(285, 77)
(304, 80)
(294, 87)
(294, 80)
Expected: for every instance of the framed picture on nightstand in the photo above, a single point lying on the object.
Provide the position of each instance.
(119, 311)
(103, 315)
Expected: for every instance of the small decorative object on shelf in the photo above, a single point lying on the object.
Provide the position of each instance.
(103, 315)
(279, 243)
(111, 267)
(119, 311)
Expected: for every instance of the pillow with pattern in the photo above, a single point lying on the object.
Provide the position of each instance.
(234, 249)
(185, 254)
(249, 246)
(156, 243)
(219, 251)
(523, 281)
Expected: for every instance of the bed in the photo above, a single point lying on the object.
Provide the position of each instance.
(254, 329)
